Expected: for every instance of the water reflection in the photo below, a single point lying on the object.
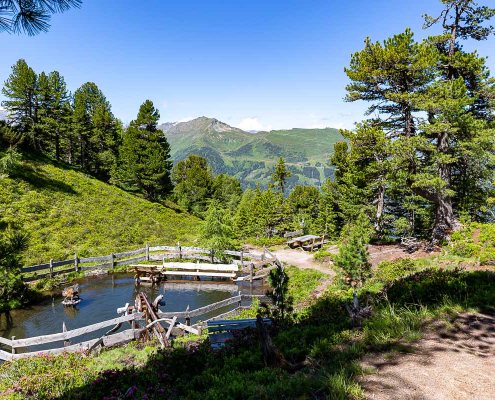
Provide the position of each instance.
(101, 298)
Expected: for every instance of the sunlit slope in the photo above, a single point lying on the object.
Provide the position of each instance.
(251, 156)
(66, 211)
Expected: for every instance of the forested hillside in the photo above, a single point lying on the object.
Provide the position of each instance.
(65, 211)
(251, 156)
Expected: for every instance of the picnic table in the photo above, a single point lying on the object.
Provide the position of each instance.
(307, 242)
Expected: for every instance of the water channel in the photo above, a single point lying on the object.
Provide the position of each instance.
(103, 295)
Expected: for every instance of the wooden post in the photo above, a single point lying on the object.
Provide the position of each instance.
(133, 323)
(180, 250)
(264, 254)
(112, 262)
(147, 252)
(64, 329)
(313, 244)
(51, 268)
(211, 255)
(188, 318)
(251, 273)
(242, 258)
(13, 348)
(239, 303)
(76, 262)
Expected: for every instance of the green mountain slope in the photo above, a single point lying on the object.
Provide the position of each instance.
(66, 211)
(251, 156)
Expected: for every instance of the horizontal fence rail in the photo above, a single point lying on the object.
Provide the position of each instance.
(116, 338)
(112, 260)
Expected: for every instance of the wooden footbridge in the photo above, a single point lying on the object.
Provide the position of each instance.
(213, 264)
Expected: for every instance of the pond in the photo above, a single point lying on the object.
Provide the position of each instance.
(104, 294)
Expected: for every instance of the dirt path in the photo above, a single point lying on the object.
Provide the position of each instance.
(301, 259)
(447, 364)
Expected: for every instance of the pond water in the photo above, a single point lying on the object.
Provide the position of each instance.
(101, 298)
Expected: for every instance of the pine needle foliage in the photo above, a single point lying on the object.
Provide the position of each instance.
(353, 258)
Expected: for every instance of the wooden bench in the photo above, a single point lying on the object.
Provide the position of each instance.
(315, 243)
(220, 331)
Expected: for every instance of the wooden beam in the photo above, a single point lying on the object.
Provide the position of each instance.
(73, 333)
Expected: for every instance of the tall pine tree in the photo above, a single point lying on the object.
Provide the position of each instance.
(144, 159)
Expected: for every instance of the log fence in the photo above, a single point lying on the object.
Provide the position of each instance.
(148, 254)
(134, 333)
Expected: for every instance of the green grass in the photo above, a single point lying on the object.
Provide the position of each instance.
(302, 282)
(65, 211)
(320, 331)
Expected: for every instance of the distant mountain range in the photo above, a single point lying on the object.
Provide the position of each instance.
(251, 156)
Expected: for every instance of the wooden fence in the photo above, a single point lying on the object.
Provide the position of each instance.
(116, 259)
(109, 339)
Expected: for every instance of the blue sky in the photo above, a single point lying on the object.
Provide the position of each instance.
(254, 64)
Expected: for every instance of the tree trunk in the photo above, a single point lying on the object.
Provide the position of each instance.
(57, 144)
(379, 209)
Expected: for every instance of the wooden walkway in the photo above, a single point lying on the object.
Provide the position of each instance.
(147, 253)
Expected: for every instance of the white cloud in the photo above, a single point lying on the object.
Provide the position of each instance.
(253, 124)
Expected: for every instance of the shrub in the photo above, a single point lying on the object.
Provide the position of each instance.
(431, 286)
(466, 249)
(388, 271)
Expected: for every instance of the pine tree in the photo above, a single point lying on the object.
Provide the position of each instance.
(405, 80)
(243, 219)
(326, 222)
(280, 176)
(305, 202)
(33, 16)
(353, 258)
(54, 109)
(193, 183)
(21, 90)
(227, 191)
(12, 243)
(279, 281)
(216, 231)
(145, 155)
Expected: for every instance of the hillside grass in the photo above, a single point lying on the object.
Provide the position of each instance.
(320, 332)
(66, 211)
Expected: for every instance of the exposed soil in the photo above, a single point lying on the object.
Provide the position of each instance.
(456, 363)
(391, 252)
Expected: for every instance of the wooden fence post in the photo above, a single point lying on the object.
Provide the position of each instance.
(76, 262)
(147, 252)
(251, 274)
(188, 318)
(180, 250)
(211, 255)
(13, 348)
(242, 258)
(112, 260)
(239, 303)
(64, 329)
(263, 256)
(51, 268)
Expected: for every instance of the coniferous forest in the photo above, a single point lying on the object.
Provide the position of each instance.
(417, 170)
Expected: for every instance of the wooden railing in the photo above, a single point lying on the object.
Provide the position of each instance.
(112, 260)
(117, 338)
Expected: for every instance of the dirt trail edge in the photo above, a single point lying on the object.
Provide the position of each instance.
(456, 363)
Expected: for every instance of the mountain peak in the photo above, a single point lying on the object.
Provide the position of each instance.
(201, 124)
